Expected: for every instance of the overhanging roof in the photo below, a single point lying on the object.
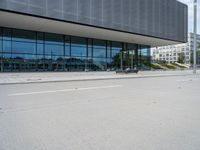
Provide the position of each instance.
(22, 21)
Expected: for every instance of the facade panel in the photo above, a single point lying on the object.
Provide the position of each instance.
(157, 18)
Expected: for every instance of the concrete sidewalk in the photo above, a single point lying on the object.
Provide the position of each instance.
(40, 77)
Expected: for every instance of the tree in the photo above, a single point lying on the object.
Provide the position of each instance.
(181, 58)
(191, 58)
(198, 54)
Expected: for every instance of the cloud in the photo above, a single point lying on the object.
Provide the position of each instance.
(190, 14)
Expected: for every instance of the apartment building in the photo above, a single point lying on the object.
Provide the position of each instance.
(171, 53)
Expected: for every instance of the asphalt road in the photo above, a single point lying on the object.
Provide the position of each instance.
(161, 113)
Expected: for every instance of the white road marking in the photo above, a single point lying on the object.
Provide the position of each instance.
(66, 90)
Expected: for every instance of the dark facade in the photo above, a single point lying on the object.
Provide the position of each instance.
(22, 49)
(158, 18)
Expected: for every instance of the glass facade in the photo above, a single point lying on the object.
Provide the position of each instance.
(29, 51)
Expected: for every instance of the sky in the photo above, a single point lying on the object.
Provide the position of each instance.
(190, 14)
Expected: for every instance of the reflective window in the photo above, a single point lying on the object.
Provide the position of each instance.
(109, 63)
(7, 55)
(6, 34)
(90, 47)
(67, 46)
(116, 60)
(77, 41)
(78, 46)
(23, 62)
(99, 64)
(90, 41)
(40, 37)
(79, 51)
(145, 51)
(1, 33)
(7, 62)
(99, 52)
(109, 54)
(54, 44)
(49, 57)
(76, 64)
(89, 51)
(37, 51)
(40, 57)
(22, 35)
(23, 47)
(67, 40)
(131, 46)
(51, 49)
(115, 53)
(23, 56)
(7, 46)
(144, 57)
(1, 48)
(67, 50)
(40, 49)
(54, 38)
(99, 48)
(116, 47)
(99, 44)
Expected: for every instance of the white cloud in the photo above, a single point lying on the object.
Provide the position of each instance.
(190, 14)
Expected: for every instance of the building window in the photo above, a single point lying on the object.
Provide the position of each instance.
(54, 49)
(54, 45)
(24, 47)
(78, 47)
(67, 45)
(7, 46)
(116, 48)
(22, 50)
(23, 36)
(99, 48)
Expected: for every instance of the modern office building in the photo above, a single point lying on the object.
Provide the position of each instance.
(78, 35)
(171, 53)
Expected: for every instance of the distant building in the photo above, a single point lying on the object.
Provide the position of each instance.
(191, 45)
(170, 53)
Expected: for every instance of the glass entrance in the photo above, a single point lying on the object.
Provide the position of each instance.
(129, 57)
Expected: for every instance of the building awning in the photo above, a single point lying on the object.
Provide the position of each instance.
(27, 22)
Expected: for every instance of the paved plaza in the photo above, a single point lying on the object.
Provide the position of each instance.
(154, 113)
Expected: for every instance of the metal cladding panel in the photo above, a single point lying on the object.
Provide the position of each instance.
(96, 12)
(107, 13)
(70, 10)
(185, 23)
(166, 19)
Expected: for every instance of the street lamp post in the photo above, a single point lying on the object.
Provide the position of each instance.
(195, 37)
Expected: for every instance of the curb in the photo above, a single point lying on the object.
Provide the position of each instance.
(97, 79)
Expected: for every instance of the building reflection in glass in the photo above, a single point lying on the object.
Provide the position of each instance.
(28, 51)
